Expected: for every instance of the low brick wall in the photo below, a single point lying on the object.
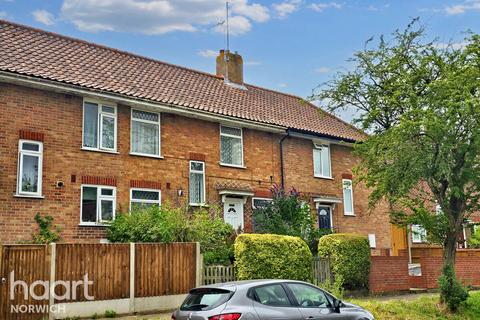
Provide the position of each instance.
(390, 274)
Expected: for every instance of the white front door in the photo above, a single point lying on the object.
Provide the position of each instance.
(233, 212)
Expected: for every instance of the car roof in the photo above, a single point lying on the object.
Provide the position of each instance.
(245, 284)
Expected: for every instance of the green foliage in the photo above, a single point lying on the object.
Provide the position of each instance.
(153, 224)
(288, 215)
(110, 314)
(166, 224)
(452, 292)
(215, 236)
(335, 288)
(474, 240)
(47, 233)
(269, 256)
(349, 256)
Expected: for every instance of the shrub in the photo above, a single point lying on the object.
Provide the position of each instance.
(349, 258)
(215, 236)
(269, 256)
(474, 240)
(47, 233)
(288, 215)
(110, 314)
(451, 290)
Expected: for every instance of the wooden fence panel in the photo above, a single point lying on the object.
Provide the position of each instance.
(164, 269)
(218, 274)
(107, 265)
(29, 263)
(321, 271)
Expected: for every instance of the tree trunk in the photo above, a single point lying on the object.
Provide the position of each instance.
(450, 248)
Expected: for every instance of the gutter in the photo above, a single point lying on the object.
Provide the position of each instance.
(50, 85)
(282, 173)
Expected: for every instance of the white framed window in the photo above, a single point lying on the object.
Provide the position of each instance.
(347, 197)
(145, 133)
(30, 162)
(372, 240)
(260, 203)
(98, 204)
(231, 146)
(197, 183)
(99, 126)
(419, 234)
(144, 198)
(322, 167)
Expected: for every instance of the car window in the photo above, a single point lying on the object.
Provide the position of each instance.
(205, 299)
(308, 296)
(272, 295)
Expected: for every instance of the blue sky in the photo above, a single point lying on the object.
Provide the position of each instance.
(287, 45)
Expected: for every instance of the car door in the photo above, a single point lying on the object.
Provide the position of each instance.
(313, 303)
(271, 302)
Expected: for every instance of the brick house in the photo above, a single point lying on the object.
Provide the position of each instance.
(87, 131)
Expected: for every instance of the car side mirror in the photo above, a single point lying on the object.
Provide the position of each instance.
(336, 305)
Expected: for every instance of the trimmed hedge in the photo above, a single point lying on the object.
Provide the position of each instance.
(349, 258)
(271, 256)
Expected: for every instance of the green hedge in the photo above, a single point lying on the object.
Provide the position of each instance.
(349, 258)
(271, 256)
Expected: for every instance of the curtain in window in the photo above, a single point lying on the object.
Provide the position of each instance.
(231, 150)
(196, 187)
(90, 125)
(106, 210)
(108, 132)
(30, 173)
(145, 138)
(89, 204)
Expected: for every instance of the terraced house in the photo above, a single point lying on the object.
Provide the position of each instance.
(87, 131)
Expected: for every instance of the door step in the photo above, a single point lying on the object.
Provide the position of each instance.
(418, 290)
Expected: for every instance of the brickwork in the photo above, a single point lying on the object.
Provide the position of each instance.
(57, 120)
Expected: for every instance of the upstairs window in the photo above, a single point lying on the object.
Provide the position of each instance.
(99, 126)
(30, 158)
(98, 204)
(347, 197)
(231, 146)
(321, 161)
(145, 133)
(144, 198)
(197, 183)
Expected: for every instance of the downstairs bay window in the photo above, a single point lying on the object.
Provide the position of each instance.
(98, 204)
(144, 198)
(197, 183)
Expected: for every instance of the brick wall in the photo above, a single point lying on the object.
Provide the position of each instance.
(390, 274)
(57, 119)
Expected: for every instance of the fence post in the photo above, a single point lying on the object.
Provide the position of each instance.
(51, 297)
(199, 265)
(132, 277)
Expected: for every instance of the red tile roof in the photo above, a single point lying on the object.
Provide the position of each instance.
(46, 55)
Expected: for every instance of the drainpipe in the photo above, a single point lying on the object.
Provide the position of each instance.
(282, 173)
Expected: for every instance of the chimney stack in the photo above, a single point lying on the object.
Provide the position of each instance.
(230, 66)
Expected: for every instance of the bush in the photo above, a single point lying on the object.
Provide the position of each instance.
(269, 256)
(451, 290)
(288, 215)
(474, 240)
(215, 236)
(47, 233)
(349, 258)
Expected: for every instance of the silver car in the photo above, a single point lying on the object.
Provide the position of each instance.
(265, 300)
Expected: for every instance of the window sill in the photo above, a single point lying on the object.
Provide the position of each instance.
(100, 150)
(200, 205)
(232, 165)
(94, 224)
(146, 155)
(349, 214)
(322, 177)
(16, 195)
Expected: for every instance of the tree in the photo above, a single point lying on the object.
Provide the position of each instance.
(420, 102)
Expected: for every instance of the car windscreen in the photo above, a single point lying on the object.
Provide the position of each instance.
(205, 299)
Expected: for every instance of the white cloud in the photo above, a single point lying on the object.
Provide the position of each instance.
(462, 8)
(162, 16)
(322, 6)
(43, 16)
(283, 9)
(322, 70)
(208, 53)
